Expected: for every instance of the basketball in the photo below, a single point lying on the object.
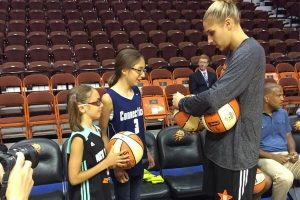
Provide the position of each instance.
(260, 182)
(224, 119)
(219, 122)
(130, 142)
(188, 122)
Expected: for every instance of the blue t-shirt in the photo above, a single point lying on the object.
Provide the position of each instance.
(128, 116)
(274, 131)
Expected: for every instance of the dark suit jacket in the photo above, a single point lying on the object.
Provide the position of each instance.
(197, 82)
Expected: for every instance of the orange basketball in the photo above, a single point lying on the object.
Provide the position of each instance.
(130, 142)
(260, 182)
(188, 122)
(224, 119)
(219, 122)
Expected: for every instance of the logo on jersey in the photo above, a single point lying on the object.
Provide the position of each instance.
(131, 114)
(224, 195)
(100, 155)
(92, 144)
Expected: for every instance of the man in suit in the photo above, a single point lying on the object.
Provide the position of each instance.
(202, 79)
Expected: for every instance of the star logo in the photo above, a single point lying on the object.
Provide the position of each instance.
(224, 196)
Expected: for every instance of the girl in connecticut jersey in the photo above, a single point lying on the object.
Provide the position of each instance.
(87, 160)
(122, 111)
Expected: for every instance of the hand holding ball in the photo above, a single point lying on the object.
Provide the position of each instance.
(219, 122)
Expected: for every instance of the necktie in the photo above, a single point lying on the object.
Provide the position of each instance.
(206, 78)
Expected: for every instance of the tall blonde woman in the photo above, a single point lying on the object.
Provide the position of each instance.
(231, 158)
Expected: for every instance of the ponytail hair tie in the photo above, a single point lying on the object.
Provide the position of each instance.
(73, 98)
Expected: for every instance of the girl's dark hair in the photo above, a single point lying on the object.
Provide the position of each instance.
(125, 59)
(77, 95)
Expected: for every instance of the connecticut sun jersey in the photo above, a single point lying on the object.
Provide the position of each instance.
(128, 116)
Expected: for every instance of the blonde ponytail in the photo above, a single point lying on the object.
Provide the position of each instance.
(221, 9)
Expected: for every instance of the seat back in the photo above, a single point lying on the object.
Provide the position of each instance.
(65, 165)
(152, 148)
(49, 169)
(187, 150)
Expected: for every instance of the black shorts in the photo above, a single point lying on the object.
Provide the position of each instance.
(219, 182)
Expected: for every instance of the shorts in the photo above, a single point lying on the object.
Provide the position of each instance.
(220, 183)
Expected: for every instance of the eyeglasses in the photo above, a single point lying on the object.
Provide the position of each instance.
(139, 71)
(95, 103)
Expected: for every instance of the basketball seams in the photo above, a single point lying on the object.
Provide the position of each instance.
(221, 121)
(131, 162)
(128, 141)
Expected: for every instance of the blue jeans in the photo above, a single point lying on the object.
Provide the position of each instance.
(130, 190)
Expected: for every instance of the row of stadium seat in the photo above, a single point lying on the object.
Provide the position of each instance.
(186, 184)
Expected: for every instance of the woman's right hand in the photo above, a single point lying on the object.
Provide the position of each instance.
(117, 159)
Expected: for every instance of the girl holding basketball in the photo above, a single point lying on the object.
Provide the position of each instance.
(87, 159)
(231, 157)
(122, 111)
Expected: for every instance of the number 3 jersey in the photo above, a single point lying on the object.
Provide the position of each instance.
(128, 116)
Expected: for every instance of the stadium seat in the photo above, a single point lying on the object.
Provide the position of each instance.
(175, 36)
(157, 15)
(131, 25)
(37, 25)
(134, 5)
(123, 15)
(172, 150)
(140, 15)
(155, 63)
(62, 81)
(138, 37)
(62, 113)
(165, 25)
(49, 170)
(156, 37)
(93, 25)
(37, 38)
(187, 49)
(148, 50)
(41, 115)
(15, 38)
(59, 38)
(183, 24)
(150, 191)
(285, 70)
(290, 86)
(105, 51)
(172, 14)
(105, 78)
(89, 78)
(167, 50)
(164, 5)
(181, 76)
(79, 37)
(154, 105)
(176, 62)
(13, 122)
(36, 82)
(161, 77)
(148, 25)
(271, 72)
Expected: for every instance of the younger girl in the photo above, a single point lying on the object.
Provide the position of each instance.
(123, 111)
(88, 163)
